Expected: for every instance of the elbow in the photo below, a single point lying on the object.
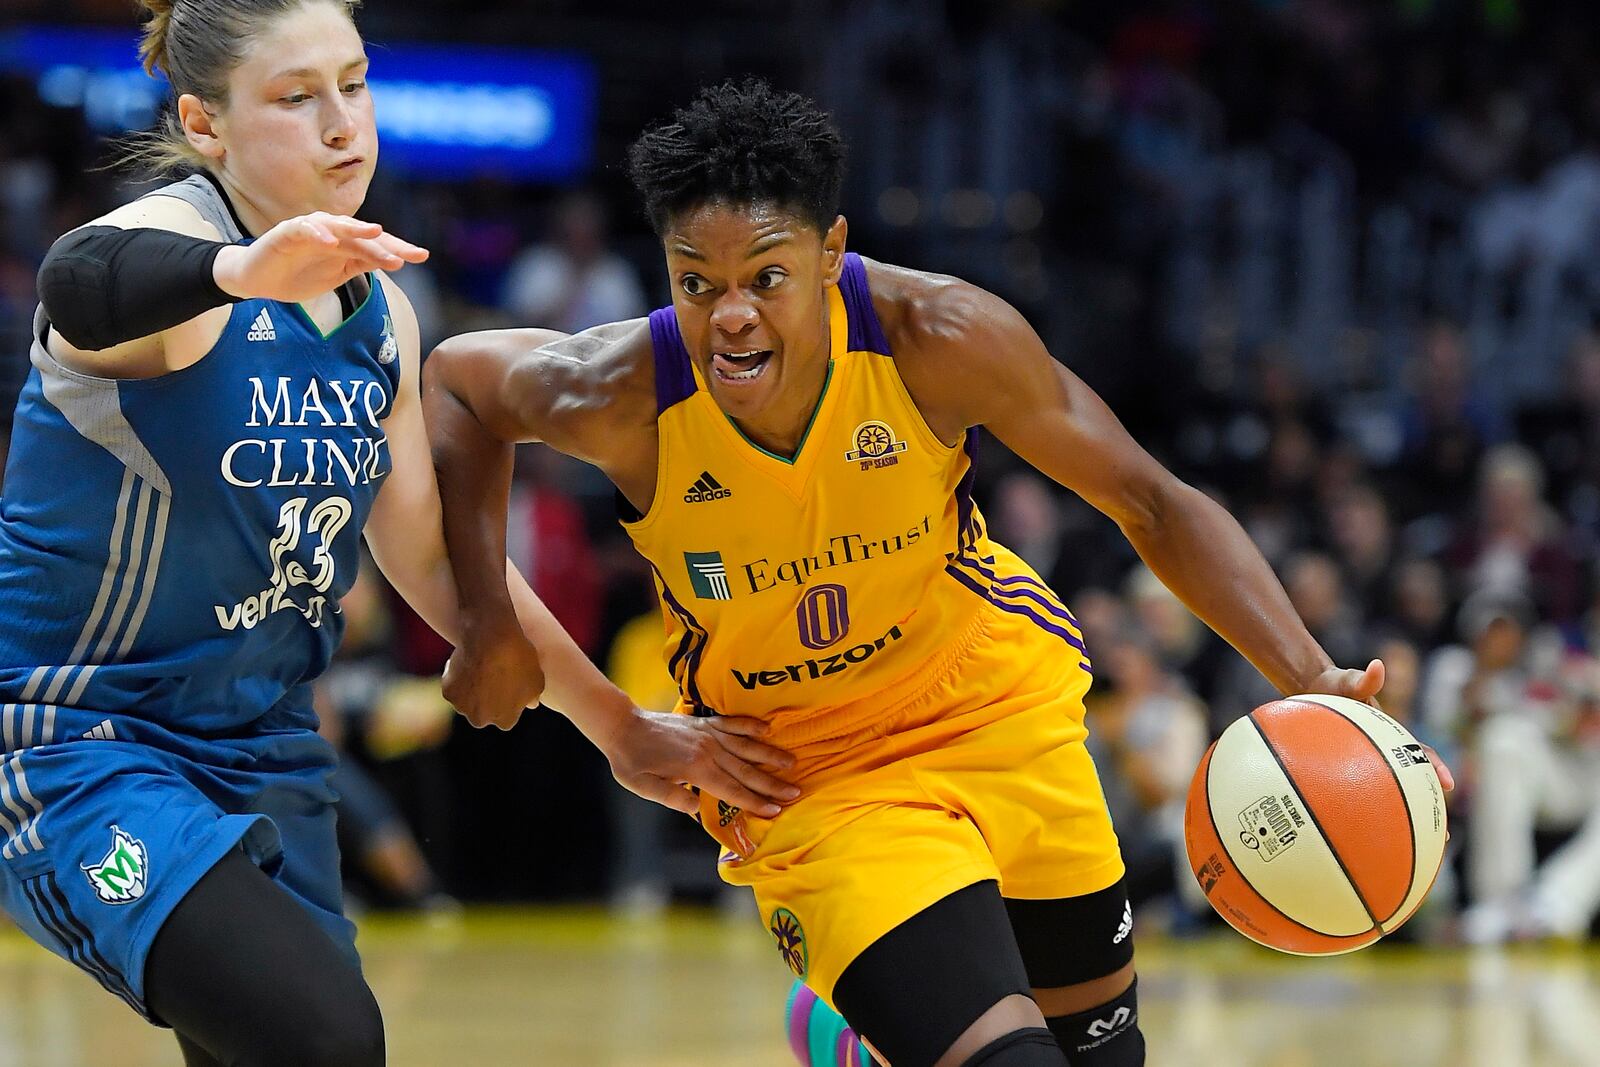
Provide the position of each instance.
(1154, 506)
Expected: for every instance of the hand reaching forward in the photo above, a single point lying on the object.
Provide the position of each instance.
(302, 258)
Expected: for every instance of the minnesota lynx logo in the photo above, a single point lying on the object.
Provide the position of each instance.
(390, 350)
(120, 877)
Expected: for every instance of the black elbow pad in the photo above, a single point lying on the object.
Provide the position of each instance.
(103, 285)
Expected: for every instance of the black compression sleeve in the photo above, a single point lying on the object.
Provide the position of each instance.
(101, 285)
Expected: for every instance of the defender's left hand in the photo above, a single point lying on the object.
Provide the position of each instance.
(1364, 686)
(656, 754)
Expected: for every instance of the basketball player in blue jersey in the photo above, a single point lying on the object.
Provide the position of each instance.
(792, 444)
(223, 399)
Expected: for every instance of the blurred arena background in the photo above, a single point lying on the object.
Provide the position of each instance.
(1335, 261)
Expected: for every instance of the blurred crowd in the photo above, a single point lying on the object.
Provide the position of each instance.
(1333, 261)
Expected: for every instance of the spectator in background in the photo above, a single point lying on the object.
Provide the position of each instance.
(639, 883)
(1184, 645)
(395, 715)
(548, 539)
(1446, 424)
(573, 281)
(1363, 539)
(1150, 732)
(1419, 603)
(1515, 543)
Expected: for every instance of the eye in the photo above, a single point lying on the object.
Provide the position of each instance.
(695, 285)
(354, 87)
(295, 98)
(770, 278)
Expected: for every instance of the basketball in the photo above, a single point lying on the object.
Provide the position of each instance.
(1315, 825)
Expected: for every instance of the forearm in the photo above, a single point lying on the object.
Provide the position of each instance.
(574, 686)
(1204, 556)
(473, 469)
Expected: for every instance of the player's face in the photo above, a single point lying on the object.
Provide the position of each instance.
(749, 283)
(298, 134)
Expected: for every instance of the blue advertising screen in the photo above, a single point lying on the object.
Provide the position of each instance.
(444, 111)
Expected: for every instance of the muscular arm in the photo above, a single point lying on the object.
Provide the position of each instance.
(484, 393)
(971, 359)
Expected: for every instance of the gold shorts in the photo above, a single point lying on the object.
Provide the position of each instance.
(977, 771)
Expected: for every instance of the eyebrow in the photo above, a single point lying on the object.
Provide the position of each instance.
(307, 72)
(764, 244)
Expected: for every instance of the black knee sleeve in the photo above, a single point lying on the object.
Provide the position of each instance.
(1107, 1036)
(916, 989)
(1032, 1047)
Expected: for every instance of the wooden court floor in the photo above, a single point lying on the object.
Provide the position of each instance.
(574, 988)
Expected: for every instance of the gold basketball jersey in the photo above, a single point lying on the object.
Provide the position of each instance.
(793, 589)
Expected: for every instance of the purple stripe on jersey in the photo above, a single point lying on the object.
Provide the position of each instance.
(800, 1008)
(674, 375)
(964, 510)
(865, 332)
(696, 647)
(1025, 583)
(1018, 609)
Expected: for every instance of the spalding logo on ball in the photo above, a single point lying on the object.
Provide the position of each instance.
(1315, 825)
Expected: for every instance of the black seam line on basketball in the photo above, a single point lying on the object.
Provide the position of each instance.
(1312, 815)
(1411, 819)
(1222, 843)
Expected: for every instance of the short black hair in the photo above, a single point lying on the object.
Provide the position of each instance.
(741, 142)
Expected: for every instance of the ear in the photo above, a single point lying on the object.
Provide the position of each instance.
(833, 251)
(200, 127)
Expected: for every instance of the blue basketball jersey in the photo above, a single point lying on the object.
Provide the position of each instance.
(174, 549)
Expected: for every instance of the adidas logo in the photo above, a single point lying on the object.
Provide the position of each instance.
(1125, 927)
(262, 329)
(102, 732)
(704, 489)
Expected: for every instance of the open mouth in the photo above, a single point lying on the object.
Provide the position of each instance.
(740, 367)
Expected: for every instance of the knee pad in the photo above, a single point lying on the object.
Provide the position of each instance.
(1031, 1047)
(1107, 1036)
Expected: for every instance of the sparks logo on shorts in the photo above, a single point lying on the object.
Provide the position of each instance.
(120, 877)
(791, 940)
(875, 446)
(726, 813)
(708, 575)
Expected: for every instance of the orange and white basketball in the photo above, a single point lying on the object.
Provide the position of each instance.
(1315, 825)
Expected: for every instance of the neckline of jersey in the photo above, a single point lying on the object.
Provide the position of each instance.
(839, 343)
(372, 287)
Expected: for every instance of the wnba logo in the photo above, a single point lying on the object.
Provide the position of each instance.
(823, 616)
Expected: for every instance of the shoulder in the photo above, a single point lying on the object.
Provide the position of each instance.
(159, 212)
(953, 342)
(922, 312)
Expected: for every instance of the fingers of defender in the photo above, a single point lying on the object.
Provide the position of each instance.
(766, 791)
(402, 248)
(746, 725)
(755, 751)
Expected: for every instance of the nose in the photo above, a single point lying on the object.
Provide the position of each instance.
(338, 122)
(734, 313)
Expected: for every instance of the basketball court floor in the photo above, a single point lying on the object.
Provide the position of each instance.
(576, 988)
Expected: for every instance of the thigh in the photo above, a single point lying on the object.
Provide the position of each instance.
(832, 879)
(245, 973)
(917, 989)
(306, 866)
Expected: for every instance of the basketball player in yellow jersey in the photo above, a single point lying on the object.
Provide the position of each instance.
(792, 440)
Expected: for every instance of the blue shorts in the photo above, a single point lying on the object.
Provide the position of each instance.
(104, 834)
